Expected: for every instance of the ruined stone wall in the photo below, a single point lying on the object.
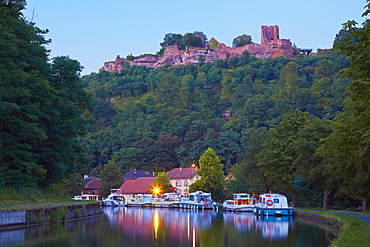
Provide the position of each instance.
(268, 34)
(271, 46)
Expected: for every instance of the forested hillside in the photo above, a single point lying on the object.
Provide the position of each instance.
(41, 105)
(290, 125)
(158, 119)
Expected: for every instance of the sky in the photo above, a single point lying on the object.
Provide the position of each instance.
(96, 31)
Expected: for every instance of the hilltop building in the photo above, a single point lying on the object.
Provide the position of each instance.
(271, 46)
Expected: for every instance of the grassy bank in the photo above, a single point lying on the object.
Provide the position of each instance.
(30, 198)
(354, 232)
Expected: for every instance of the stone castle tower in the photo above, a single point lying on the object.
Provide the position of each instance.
(268, 34)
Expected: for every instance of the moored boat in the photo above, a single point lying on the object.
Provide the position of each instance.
(199, 200)
(140, 200)
(241, 202)
(167, 200)
(115, 199)
(86, 197)
(273, 204)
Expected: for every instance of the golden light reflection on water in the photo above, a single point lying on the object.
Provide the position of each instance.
(156, 222)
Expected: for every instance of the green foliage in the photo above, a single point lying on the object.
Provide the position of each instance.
(41, 105)
(212, 178)
(277, 157)
(214, 44)
(73, 185)
(354, 232)
(346, 151)
(191, 40)
(111, 178)
(242, 40)
(159, 119)
(162, 182)
(173, 39)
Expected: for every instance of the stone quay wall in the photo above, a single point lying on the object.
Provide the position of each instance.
(38, 216)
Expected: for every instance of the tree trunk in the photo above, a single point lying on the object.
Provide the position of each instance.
(364, 198)
(325, 199)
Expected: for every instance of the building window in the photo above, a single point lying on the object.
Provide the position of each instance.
(186, 183)
(178, 183)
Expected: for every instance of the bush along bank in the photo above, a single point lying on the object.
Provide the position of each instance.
(50, 214)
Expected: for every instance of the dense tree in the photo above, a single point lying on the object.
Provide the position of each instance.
(191, 40)
(111, 178)
(276, 159)
(212, 178)
(173, 39)
(162, 182)
(159, 119)
(64, 121)
(73, 185)
(351, 128)
(21, 51)
(242, 40)
(41, 105)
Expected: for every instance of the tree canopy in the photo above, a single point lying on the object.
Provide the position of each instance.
(212, 178)
(192, 40)
(41, 105)
(173, 39)
(242, 40)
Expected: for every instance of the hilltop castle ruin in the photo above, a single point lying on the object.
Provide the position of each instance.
(271, 46)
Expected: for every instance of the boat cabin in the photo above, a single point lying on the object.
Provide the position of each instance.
(244, 199)
(273, 200)
(86, 197)
(200, 196)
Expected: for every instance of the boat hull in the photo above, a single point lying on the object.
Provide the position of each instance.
(109, 203)
(273, 211)
(198, 206)
(239, 209)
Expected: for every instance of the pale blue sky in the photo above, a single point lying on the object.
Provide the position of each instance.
(94, 32)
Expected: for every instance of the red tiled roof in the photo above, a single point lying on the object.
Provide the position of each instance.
(182, 173)
(139, 185)
(94, 184)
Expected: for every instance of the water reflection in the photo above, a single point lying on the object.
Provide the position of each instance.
(172, 227)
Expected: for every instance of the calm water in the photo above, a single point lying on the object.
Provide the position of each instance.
(172, 227)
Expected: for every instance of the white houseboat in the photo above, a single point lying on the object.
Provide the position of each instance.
(115, 199)
(199, 200)
(241, 202)
(272, 204)
(140, 200)
(86, 197)
(167, 200)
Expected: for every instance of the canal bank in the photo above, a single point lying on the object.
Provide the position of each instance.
(353, 229)
(44, 214)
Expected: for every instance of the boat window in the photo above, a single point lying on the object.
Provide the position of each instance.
(276, 200)
(263, 200)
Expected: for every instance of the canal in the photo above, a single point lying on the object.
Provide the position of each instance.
(173, 227)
